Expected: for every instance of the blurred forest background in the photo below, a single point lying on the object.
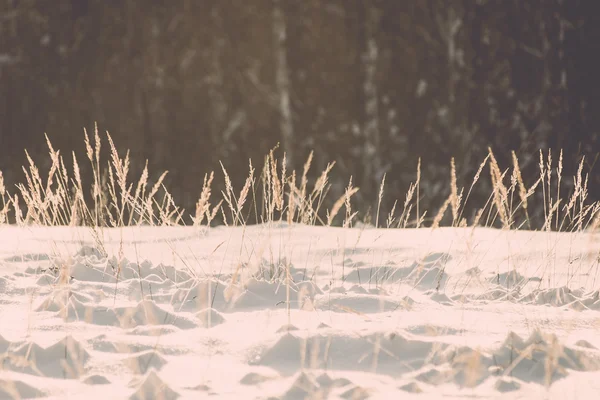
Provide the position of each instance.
(369, 84)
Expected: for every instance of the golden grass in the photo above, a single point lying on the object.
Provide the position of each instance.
(115, 199)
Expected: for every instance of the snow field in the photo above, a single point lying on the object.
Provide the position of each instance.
(294, 312)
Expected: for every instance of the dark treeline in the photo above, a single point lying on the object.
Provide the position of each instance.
(370, 84)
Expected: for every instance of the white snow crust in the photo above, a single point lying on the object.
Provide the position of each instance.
(293, 312)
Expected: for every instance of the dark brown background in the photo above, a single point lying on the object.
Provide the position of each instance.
(186, 83)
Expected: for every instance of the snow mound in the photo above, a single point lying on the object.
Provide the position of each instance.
(140, 363)
(201, 294)
(396, 356)
(210, 317)
(148, 288)
(201, 388)
(366, 303)
(4, 344)
(35, 270)
(107, 346)
(147, 312)
(577, 306)
(261, 294)
(428, 277)
(168, 272)
(307, 385)
(336, 289)
(59, 299)
(27, 257)
(435, 376)
(144, 330)
(90, 268)
(556, 297)
(540, 359)
(441, 298)
(358, 289)
(44, 280)
(377, 275)
(325, 380)
(508, 279)
(496, 294)
(88, 272)
(70, 306)
(91, 252)
(12, 389)
(18, 363)
(356, 393)
(152, 387)
(425, 272)
(585, 344)
(65, 359)
(287, 328)
(411, 387)
(254, 378)
(433, 330)
(505, 385)
(303, 387)
(592, 301)
(96, 380)
(3, 284)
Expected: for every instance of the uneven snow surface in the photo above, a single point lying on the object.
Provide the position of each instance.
(295, 312)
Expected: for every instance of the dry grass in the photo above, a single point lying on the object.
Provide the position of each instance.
(115, 199)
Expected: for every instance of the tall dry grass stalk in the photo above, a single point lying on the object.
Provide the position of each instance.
(203, 203)
(350, 190)
(559, 177)
(454, 203)
(500, 191)
(390, 219)
(438, 217)
(543, 181)
(549, 181)
(407, 206)
(475, 180)
(403, 219)
(418, 183)
(379, 198)
(292, 203)
(522, 189)
(303, 184)
(595, 218)
(341, 201)
(5, 203)
(228, 194)
(235, 203)
(114, 199)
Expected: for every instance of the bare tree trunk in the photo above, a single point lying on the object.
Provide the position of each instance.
(282, 81)
(218, 103)
(372, 151)
(453, 25)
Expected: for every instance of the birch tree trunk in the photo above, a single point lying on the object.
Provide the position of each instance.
(453, 25)
(282, 81)
(372, 151)
(218, 103)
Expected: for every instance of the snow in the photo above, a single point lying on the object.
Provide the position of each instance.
(294, 312)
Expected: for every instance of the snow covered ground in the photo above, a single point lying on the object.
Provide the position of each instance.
(294, 312)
